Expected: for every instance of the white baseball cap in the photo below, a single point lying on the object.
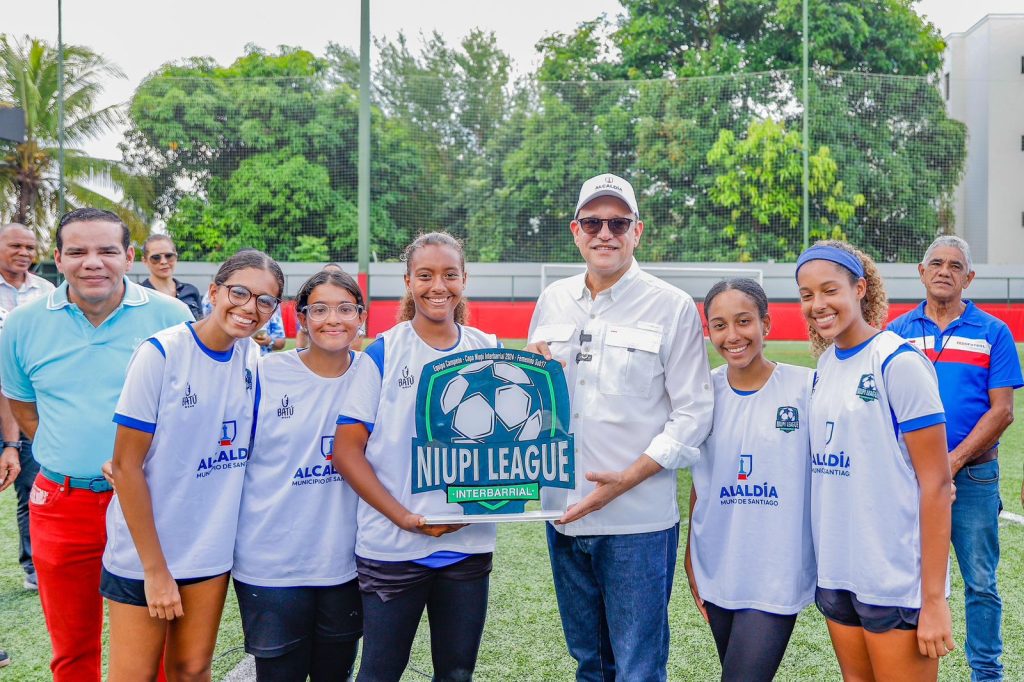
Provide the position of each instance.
(607, 185)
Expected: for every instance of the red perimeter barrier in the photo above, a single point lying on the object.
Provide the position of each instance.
(511, 319)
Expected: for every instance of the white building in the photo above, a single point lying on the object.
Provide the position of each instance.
(983, 83)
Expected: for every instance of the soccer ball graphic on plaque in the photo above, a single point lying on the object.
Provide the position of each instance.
(493, 400)
(492, 431)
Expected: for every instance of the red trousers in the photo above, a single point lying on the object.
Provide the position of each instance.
(68, 530)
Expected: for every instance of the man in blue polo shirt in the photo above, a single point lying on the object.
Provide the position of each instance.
(62, 365)
(978, 369)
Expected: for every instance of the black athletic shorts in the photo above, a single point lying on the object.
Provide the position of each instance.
(844, 608)
(133, 592)
(276, 620)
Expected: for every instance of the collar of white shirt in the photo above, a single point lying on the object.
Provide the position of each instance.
(616, 290)
(31, 282)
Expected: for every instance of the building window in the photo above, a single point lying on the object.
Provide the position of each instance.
(1022, 64)
(945, 80)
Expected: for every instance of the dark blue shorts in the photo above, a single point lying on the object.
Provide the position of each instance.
(133, 592)
(844, 608)
(277, 620)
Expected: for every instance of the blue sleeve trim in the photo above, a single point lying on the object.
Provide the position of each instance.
(924, 422)
(376, 352)
(345, 421)
(132, 423)
(255, 410)
(905, 348)
(159, 347)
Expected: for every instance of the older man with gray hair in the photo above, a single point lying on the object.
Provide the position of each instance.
(978, 369)
(19, 286)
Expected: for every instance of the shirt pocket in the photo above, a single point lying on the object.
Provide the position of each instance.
(559, 338)
(629, 359)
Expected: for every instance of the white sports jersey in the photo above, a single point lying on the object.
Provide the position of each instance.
(751, 529)
(383, 396)
(198, 404)
(297, 524)
(865, 500)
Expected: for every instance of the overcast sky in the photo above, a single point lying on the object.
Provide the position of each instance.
(140, 36)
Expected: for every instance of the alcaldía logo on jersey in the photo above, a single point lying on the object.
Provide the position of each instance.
(319, 472)
(787, 419)
(248, 379)
(867, 389)
(492, 430)
(189, 399)
(831, 463)
(746, 467)
(226, 456)
(745, 492)
(407, 379)
(287, 409)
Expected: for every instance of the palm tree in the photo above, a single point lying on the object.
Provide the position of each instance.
(28, 171)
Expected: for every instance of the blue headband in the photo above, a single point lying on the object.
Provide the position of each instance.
(832, 254)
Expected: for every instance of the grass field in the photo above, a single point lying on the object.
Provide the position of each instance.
(523, 638)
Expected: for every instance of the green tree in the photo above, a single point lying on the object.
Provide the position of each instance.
(733, 63)
(29, 178)
(759, 179)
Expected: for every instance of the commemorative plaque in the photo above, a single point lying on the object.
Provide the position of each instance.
(492, 432)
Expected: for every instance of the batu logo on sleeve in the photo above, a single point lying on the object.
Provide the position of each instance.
(190, 399)
(492, 430)
(787, 419)
(407, 379)
(867, 389)
(287, 409)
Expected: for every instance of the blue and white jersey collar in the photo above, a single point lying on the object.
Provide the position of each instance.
(134, 295)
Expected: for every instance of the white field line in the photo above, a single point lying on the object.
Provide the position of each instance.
(1011, 517)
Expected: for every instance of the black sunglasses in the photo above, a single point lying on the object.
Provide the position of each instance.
(157, 257)
(617, 226)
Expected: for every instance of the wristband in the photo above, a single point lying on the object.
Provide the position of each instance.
(12, 444)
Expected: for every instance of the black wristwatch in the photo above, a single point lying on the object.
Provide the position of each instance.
(12, 444)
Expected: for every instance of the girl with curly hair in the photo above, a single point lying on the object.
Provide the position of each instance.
(880, 479)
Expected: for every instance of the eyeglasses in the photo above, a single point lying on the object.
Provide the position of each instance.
(617, 226)
(170, 257)
(239, 295)
(318, 312)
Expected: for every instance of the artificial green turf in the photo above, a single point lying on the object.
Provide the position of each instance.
(523, 638)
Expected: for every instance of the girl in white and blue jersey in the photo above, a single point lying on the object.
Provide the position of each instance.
(295, 569)
(880, 479)
(405, 565)
(749, 558)
(184, 429)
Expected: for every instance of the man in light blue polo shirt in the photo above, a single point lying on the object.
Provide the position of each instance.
(62, 365)
(978, 369)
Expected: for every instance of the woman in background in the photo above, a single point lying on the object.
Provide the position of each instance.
(161, 257)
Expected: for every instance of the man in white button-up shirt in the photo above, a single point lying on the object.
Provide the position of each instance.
(641, 401)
